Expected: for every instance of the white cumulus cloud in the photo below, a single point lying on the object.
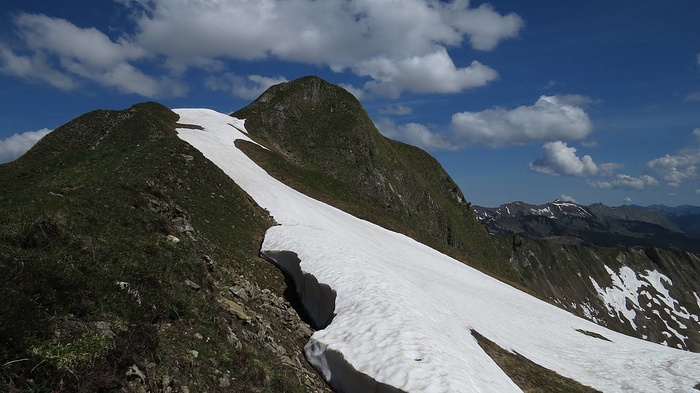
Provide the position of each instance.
(567, 198)
(357, 92)
(396, 109)
(33, 67)
(484, 26)
(693, 96)
(18, 144)
(626, 182)
(334, 32)
(677, 168)
(250, 87)
(400, 46)
(430, 73)
(551, 118)
(560, 159)
(62, 54)
(415, 134)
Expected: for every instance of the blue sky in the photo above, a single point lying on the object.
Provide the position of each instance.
(530, 101)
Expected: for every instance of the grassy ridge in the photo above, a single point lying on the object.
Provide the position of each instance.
(91, 205)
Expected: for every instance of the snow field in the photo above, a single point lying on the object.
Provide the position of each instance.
(404, 312)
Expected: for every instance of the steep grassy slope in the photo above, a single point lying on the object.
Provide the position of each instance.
(327, 146)
(130, 262)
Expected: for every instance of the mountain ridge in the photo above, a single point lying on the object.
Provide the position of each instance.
(595, 224)
(189, 290)
(130, 263)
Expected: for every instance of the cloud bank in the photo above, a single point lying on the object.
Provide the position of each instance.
(396, 109)
(249, 87)
(18, 144)
(549, 119)
(625, 182)
(567, 198)
(405, 49)
(560, 159)
(415, 134)
(677, 168)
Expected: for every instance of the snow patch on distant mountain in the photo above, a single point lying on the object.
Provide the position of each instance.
(625, 287)
(630, 293)
(554, 210)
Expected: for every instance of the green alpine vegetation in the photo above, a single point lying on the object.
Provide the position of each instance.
(119, 244)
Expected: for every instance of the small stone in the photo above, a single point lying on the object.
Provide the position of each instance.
(104, 328)
(289, 362)
(304, 331)
(195, 354)
(224, 382)
(233, 339)
(239, 293)
(236, 309)
(198, 336)
(172, 239)
(181, 225)
(134, 372)
(192, 284)
(279, 350)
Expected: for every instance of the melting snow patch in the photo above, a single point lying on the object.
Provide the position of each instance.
(671, 331)
(398, 301)
(589, 312)
(625, 288)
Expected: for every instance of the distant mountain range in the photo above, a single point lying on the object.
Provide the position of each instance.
(672, 228)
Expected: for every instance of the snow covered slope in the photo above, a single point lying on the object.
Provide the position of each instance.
(404, 312)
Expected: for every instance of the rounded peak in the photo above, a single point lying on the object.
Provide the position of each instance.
(310, 89)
